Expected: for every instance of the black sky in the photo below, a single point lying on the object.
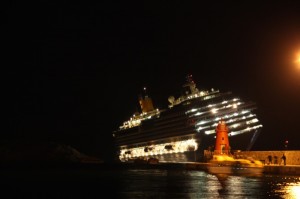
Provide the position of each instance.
(75, 70)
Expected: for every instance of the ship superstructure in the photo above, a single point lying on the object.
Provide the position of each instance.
(183, 130)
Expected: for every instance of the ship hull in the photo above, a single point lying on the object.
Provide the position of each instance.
(204, 151)
(187, 156)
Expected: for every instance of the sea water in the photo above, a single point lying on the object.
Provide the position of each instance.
(143, 183)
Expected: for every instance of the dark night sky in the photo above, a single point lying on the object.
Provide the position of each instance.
(75, 70)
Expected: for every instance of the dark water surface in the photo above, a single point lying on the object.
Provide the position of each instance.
(142, 183)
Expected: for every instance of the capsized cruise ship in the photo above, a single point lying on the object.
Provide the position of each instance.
(186, 128)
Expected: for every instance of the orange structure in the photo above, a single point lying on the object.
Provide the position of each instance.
(222, 143)
(146, 103)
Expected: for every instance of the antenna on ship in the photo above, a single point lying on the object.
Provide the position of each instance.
(190, 78)
(191, 84)
(145, 91)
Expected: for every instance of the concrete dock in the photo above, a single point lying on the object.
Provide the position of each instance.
(268, 169)
(280, 169)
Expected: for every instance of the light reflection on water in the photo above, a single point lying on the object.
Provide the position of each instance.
(286, 187)
(143, 183)
(198, 184)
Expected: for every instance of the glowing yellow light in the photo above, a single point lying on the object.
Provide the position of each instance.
(298, 60)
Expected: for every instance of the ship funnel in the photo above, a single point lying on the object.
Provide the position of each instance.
(146, 103)
(222, 142)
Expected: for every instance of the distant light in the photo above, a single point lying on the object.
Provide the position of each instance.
(298, 60)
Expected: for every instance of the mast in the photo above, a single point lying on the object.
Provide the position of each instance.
(191, 85)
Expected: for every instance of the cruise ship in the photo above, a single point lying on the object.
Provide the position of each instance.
(186, 129)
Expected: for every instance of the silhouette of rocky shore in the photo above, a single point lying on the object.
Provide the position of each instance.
(20, 154)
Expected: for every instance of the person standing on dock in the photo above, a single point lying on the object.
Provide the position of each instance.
(275, 159)
(270, 159)
(283, 158)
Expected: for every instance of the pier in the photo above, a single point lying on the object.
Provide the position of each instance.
(268, 169)
(280, 169)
